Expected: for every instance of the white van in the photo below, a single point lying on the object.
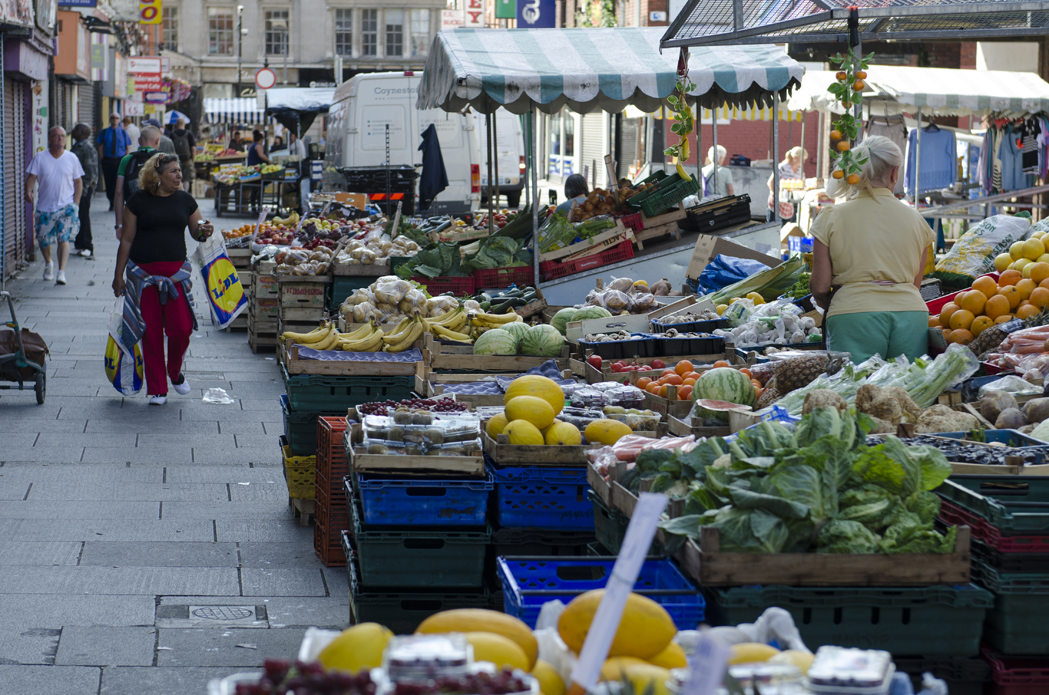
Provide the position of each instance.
(510, 156)
(356, 137)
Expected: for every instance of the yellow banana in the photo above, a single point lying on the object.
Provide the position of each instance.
(316, 335)
(450, 335)
(398, 336)
(458, 323)
(362, 332)
(328, 343)
(372, 343)
(414, 332)
(401, 326)
(447, 317)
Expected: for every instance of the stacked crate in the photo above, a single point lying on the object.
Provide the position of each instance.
(332, 515)
(263, 307)
(302, 302)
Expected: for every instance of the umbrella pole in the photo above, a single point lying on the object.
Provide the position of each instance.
(918, 161)
(491, 188)
(535, 193)
(715, 159)
(775, 155)
(699, 148)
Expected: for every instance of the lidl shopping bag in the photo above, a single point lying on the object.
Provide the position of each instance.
(225, 294)
(123, 367)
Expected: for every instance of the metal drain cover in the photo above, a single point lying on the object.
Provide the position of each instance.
(211, 616)
(222, 612)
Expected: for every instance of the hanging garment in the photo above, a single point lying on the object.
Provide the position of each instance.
(891, 127)
(1011, 155)
(939, 168)
(434, 177)
(1029, 148)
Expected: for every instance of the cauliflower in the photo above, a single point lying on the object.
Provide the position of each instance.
(940, 418)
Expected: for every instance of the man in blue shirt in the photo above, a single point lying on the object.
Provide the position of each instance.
(113, 143)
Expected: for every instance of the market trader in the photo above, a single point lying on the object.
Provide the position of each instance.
(113, 143)
(869, 257)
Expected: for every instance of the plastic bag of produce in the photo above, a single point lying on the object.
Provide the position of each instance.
(622, 284)
(616, 301)
(360, 296)
(973, 255)
(364, 312)
(225, 296)
(1011, 384)
(390, 289)
(435, 306)
(414, 302)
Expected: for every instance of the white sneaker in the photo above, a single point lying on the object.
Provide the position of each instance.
(49, 271)
(61, 279)
(158, 400)
(86, 253)
(181, 388)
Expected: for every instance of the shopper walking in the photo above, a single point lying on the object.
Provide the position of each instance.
(112, 146)
(165, 145)
(868, 261)
(128, 173)
(185, 146)
(256, 156)
(85, 151)
(56, 216)
(156, 285)
(132, 132)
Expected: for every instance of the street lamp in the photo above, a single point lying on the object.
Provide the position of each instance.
(240, 45)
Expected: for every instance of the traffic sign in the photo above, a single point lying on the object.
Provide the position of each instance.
(265, 78)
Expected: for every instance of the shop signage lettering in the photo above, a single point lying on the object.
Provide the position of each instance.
(473, 13)
(536, 14)
(149, 11)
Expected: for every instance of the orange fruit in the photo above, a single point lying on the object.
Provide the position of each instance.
(945, 313)
(1003, 318)
(838, 174)
(974, 302)
(844, 146)
(684, 393)
(653, 388)
(963, 318)
(745, 372)
(980, 324)
(861, 74)
(1009, 277)
(683, 367)
(1040, 272)
(1044, 283)
(756, 383)
(1026, 312)
(662, 393)
(946, 333)
(996, 306)
(1040, 297)
(858, 85)
(1026, 287)
(689, 382)
(643, 382)
(721, 363)
(1011, 293)
(934, 322)
(852, 179)
(695, 375)
(960, 336)
(987, 285)
(674, 379)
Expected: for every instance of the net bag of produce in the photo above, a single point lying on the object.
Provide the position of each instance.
(973, 255)
(225, 294)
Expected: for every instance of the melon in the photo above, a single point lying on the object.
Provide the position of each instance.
(517, 330)
(562, 434)
(535, 385)
(724, 384)
(715, 411)
(496, 341)
(542, 341)
(560, 321)
(531, 408)
(524, 433)
(606, 432)
(590, 312)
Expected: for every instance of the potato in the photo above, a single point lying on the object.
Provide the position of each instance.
(1036, 410)
(994, 402)
(1010, 419)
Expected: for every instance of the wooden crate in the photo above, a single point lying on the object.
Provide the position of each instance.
(505, 454)
(267, 309)
(262, 341)
(600, 242)
(584, 369)
(358, 270)
(348, 368)
(682, 427)
(533, 308)
(301, 314)
(433, 385)
(263, 286)
(238, 324)
(296, 293)
(424, 466)
(446, 357)
(240, 258)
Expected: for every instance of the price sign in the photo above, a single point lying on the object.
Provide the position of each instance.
(638, 540)
(262, 218)
(707, 665)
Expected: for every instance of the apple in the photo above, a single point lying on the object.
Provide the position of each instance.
(658, 364)
(595, 361)
(617, 366)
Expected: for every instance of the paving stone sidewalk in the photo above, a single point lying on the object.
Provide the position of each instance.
(145, 550)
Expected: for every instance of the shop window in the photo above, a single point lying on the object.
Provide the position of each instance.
(343, 32)
(420, 33)
(369, 32)
(277, 32)
(394, 33)
(220, 31)
(169, 25)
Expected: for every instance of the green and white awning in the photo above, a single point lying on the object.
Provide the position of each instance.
(591, 69)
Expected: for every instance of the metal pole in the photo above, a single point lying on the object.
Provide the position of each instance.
(699, 147)
(525, 137)
(715, 158)
(535, 194)
(491, 187)
(495, 160)
(775, 155)
(240, 45)
(918, 161)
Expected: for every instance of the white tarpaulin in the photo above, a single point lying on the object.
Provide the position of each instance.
(939, 91)
(300, 98)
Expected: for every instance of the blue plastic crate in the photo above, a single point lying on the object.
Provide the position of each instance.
(421, 502)
(1010, 438)
(554, 498)
(529, 582)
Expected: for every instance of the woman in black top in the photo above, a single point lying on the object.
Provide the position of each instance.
(256, 155)
(153, 252)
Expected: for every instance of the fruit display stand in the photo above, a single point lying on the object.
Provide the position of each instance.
(414, 466)
(455, 357)
(406, 363)
(657, 227)
(433, 384)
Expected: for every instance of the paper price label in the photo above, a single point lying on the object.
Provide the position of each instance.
(262, 218)
(707, 665)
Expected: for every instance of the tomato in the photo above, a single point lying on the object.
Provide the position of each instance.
(595, 361)
(617, 366)
(644, 368)
(658, 364)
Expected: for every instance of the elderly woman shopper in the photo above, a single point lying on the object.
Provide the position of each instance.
(868, 261)
(724, 185)
(156, 287)
(792, 167)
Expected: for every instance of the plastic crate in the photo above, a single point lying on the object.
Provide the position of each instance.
(331, 508)
(633, 221)
(402, 611)
(1013, 505)
(691, 327)
(1013, 675)
(1016, 624)
(622, 349)
(542, 498)
(1025, 563)
(342, 286)
(422, 557)
(389, 501)
(330, 519)
(457, 286)
(963, 676)
(610, 528)
(299, 472)
(326, 394)
(523, 276)
(529, 582)
(674, 347)
(1010, 438)
(540, 541)
(669, 191)
(552, 270)
(928, 621)
(300, 428)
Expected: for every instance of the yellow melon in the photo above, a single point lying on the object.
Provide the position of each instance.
(550, 681)
(606, 432)
(644, 631)
(357, 648)
(483, 620)
(671, 657)
(562, 434)
(749, 652)
(531, 408)
(614, 668)
(497, 649)
(524, 433)
(538, 386)
(496, 425)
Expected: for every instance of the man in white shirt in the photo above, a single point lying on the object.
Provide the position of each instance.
(56, 215)
(133, 132)
(296, 146)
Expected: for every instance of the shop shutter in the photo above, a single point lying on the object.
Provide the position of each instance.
(67, 107)
(86, 109)
(595, 147)
(14, 166)
(630, 138)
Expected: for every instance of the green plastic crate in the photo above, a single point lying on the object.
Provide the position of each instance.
(610, 527)
(421, 556)
(342, 286)
(668, 192)
(1016, 625)
(324, 394)
(1015, 505)
(929, 621)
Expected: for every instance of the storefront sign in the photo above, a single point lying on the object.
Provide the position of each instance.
(536, 14)
(46, 12)
(98, 56)
(451, 19)
(148, 83)
(78, 3)
(149, 11)
(21, 57)
(16, 12)
(144, 65)
(134, 108)
(505, 9)
(473, 14)
(159, 97)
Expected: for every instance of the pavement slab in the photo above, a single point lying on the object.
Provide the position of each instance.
(106, 646)
(240, 648)
(158, 680)
(42, 680)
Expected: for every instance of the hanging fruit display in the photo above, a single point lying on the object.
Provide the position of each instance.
(684, 119)
(848, 91)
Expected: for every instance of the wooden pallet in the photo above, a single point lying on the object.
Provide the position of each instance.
(262, 341)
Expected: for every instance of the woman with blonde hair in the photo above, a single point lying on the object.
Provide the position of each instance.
(792, 167)
(869, 256)
(724, 178)
(156, 286)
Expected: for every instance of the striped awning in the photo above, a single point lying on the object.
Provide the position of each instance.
(233, 111)
(591, 69)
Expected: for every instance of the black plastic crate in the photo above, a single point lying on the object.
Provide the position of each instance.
(964, 676)
(540, 541)
(643, 346)
(1026, 563)
(691, 327)
(675, 347)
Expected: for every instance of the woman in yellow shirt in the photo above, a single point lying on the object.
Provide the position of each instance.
(868, 261)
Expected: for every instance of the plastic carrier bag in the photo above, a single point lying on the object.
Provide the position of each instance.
(225, 295)
(124, 368)
(973, 255)
(727, 270)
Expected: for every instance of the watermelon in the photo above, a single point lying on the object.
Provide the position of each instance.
(724, 384)
(590, 312)
(542, 341)
(715, 412)
(517, 329)
(496, 342)
(561, 319)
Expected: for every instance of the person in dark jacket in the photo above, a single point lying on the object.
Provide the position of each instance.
(85, 151)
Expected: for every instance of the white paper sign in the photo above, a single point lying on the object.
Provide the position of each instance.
(707, 665)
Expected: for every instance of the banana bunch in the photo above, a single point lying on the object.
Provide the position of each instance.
(448, 326)
(322, 338)
(367, 338)
(289, 221)
(486, 321)
(406, 332)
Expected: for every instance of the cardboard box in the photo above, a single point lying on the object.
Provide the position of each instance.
(357, 200)
(710, 247)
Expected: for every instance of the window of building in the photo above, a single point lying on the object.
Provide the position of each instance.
(343, 32)
(276, 32)
(369, 32)
(394, 33)
(220, 31)
(169, 24)
(420, 33)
